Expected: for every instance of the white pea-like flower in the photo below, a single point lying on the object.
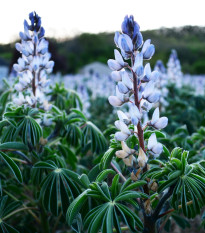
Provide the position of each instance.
(158, 122)
(155, 147)
(126, 154)
(134, 114)
(119, 99)
(118, 63)
(124, 131)
(150, 94)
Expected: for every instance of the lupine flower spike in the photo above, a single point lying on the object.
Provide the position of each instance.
(34, 65)
(136, 87)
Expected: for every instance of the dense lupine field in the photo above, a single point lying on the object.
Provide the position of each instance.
(121, 152)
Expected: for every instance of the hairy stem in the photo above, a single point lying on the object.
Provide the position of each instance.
(139, 127)
(115, 168)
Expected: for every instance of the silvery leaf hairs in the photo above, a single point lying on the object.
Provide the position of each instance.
(135, 87)
(34, 65)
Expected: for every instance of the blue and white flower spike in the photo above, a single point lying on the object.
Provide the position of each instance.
(135, 86)
(34, 65)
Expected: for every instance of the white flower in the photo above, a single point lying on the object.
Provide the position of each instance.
(149, 75)
(138, 65)
(116, 76)
(126, 154)
(135, 114)
(123, 117)
(145, 105)
(149, 93)
(19, 87)
(158, 122)
(118, 63)
(154, 146)
(20, 99)
(126, 80)
(117, 100)
(125, 132)
(46, 120)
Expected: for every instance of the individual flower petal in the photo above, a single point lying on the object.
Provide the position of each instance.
(152, 141)
(122, 88)
(123, 117)
(161, 123)
(129, 161)
(124, 128)
(118, 57)
(115, 101)
(116, 76)
(126, 148)
(114, 65)
(148, 49)
(135, 114)
(119, 136)
(126, 80)
(138, 61)
(142, 158)
(154, 76)
(117, 34)
(155, 116)
(121, 154)
(149, 52)
(157, 149)
(153, 98)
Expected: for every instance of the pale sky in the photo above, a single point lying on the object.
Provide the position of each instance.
(66, 18)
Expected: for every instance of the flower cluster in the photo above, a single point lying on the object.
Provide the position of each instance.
(34, 65)
(174, 72)
(136, 86)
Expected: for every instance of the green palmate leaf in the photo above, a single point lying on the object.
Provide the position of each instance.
(73, 134)
(68, 154)
(21, 122)
(187, 182)
(4, 227)
(12, 166)
(110, 208)
(59, 186)
(93, 136)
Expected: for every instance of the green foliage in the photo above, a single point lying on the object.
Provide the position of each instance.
(59, 186)
(6, 208)
(21, 123)
(64, 99)
(110, 208)
(186, 180)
